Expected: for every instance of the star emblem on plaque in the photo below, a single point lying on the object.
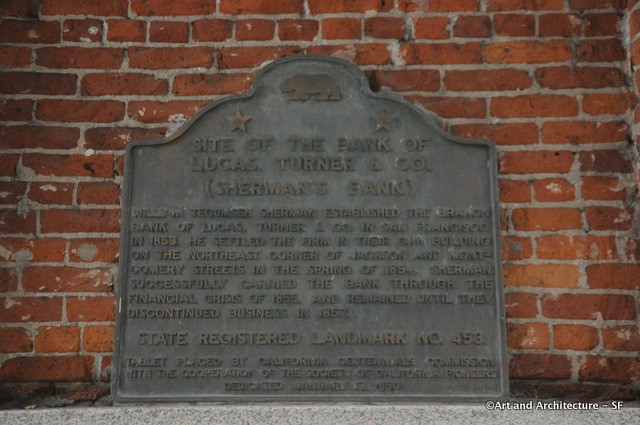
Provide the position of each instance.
(238, 121)
(382, 122)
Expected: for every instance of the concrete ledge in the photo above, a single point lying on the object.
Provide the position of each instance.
(282, 414)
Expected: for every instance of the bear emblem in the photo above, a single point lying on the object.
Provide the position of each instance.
(304, 85)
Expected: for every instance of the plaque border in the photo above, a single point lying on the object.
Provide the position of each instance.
(382, 398)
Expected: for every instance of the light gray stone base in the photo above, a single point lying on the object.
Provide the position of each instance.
(282, 414)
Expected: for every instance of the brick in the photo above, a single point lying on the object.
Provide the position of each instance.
(78, 221)
(33, 250)
(161, 112)
(14, 31)
(50, 193)
(622, 370)
(32, 137)
(534, 105)
(117, 138)
(360, 54)
(502, 5)
(12, 223)
(589, 306)
(16, 110)
(601, 24)
(441, 54)
(164, 8)
(575, 337)
(472, 26)
(609, 218)
(487, 80)
(439, 5)
(83, 7)
(37, 83)
(82, 30)
(212, 30)
(15, 57)
(528, 336)
(605, 161)
(541, 275)
(105, 368)
(584, 132)
(341, 28)
(453, 107)
(560, 247)
(255, 29)
(169, 32)
(204, 84)
(514, 191)
(124, 30)
(57, 339)
(50, 369)
(8, 280)
(607, 103)
(405, 80)
(536, 162)
(431, 28)
(90, 250)
(249, 57)
(600, 51)
(560, 25)
(123, 84)
(31, 309)
(87, 392)
(528, 51)
(64, 110)
(602, 188)
(98, 339)
(80, 57)
(169, 57)
(554, 190)
(596, 4)
(632, 248)
(621, 338)
(67, 279)
(516, 248)
(520, 305)
(514, 25)
(634, 21)
(565, 77)
(634, 51)
(11, 192)
(8, 165)
(500, 134)
(546, 219)
(91, 309)
(19, 8)
(540, 366)
(15, 340)
(384, 27)
(622, 276)
(298, 29)
(103, 193)
(323, 6)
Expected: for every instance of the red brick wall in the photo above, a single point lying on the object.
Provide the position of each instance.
(552, 82)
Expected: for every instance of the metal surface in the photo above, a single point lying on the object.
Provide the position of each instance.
(310, 241)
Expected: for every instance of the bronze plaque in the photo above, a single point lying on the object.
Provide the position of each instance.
(310, 241)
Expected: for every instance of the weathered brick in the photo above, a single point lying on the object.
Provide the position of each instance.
(18, 31)
(528, 51)
(13, 223)
(37, 83)
(8, 280)
(384, 27)
(15, 110)
(589, 306)
(169, 32)
(614, 276)
(53, 369)
(162, 112)
(487, 80)
(360, 54)
(610, 50)
(453, 107)
(609, 218)
(597, 4)
(534, 105)
(575, 337)
(80, 57)
(83, 7)
(15, 340)
(103, 193)
(255, 29)
(33, 250)
(500, 134)
(406, 80)
(170, 57)
(536, 162)
(48, 193)
(606, 161)
(123, 30)
(30, 309)
(19, 8)
(298, 29)
(8, 165)
(621, 338)
(514, 25)
(540, 366)
(323, 6)
(123, 84)
(623, 370)
(98, 338)
(341, 28)
(79, 221)
(607, 103)
(603, 188)
(541, 275)
(164, 8)
(82, 30)
(560, 247)
(11, 192)
(516, 248)
(564, 77)
(442, 53)
(546, 219)
(15, 57)
(212, 30)
(57, 339)
(601, 24)
(91, 309)
(203, 84)
(94, 250)
(472, 26)
(501, 5)
(528, 336)
(560, 25)
(80, 110)
(584, 132)
(116, 138)
(520, 305)
(514, 191)
(67, 279)
(249, 57)
(554, 190)
(30, 137)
